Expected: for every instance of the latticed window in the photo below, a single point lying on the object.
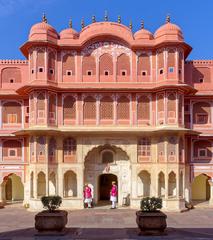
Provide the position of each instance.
(51, 60)
(32, 146)
(143, 108)
(52, 106)
(106, 108)
(171, 105)
(11, 112)
(40, 58)
(160, 60)
(106, 64)
(123, 111)
(41, 105)
(144, 147)
(123, 64)
(171, 147)
(171, 58)
(69, 146)
(31, 103)
(68, 64)
(69, 108)
(41, 146)
(52, 147)
(144, 65)
(161, 150)
(89, 108)
(89, 64)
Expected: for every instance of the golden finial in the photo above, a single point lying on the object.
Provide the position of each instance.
(119, 19)
(168, 18)
(70, 23)
(106, 16)
(130, 24)
(93, 19)
(82, 23)
(44, 19)
(142, 24)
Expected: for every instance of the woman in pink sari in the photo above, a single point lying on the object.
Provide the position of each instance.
(113, 195)
(88, 195)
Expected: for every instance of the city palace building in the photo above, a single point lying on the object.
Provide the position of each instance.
(106, 104)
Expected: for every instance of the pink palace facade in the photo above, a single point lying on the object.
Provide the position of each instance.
(106, 104)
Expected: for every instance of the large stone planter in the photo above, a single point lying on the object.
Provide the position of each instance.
(51, 223)
(151, 223)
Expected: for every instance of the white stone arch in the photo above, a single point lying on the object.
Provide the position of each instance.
(172, 184)
(70, 184)
(52, 183)
(143, 183)
(41, 184)
(161, 184)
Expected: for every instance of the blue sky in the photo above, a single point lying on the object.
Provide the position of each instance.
(195, 17)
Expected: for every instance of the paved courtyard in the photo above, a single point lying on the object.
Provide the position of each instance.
(101, 223)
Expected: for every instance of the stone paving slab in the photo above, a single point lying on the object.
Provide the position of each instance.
(18, 224)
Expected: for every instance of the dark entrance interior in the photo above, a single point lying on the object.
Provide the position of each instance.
(105, 184)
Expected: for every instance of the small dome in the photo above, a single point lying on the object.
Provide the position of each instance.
(143, 34)
(68, 33)
(38, 31)
(169, 29)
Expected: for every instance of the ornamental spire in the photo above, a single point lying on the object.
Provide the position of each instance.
(82, 23)
(168, 18)
(106, 16)
(44, 19)
(70, 23)
(130, 24)
(93, 19)
(119, 19)
(142, 24)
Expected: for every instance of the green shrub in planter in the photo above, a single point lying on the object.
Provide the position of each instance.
(51, 203)
(151, 204)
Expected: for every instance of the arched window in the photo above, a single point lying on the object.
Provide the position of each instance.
(107, 157)
(41, 148)
(123, 111)
(40, 61)
(52, 108)
(89, 66)
(41, 105)
(143, 109)
(11, 113)
(123, 65)
(144, 184)
(69, 147)
(12, 149)
(171, 60)
(161, 149)
(171, 108)
(144, 65)
(68, 65)
(106, 65)
(52, 149)
(160, 106)
(106, 108)
(41, 184)
(89, 108)
(171, 148)
(70, 184)
(172, 185)
(32, 148)
(160, 62)
(51, 66)
(69, 109)
(201, 113)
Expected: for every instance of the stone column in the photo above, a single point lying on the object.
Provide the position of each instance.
(35, 187)
(60, 183)
(211, 191)
(2, 197)
(166, 186)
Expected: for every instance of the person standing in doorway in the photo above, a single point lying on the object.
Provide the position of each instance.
(88, 195)
(113, 195)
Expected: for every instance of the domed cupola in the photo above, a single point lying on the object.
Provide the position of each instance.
(43, 31)
(143, 34)
(169, 31)
(69, 33)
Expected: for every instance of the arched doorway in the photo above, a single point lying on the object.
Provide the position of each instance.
(200, 189)
(14, 189)
(105, 184)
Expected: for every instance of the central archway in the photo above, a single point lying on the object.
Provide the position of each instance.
(105, 184)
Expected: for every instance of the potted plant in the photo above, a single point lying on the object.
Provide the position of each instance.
(150, 220)
(51, 220)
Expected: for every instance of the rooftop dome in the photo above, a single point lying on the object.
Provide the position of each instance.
(169, 29)
(143, 33)
(69, 33)
(38, 30)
